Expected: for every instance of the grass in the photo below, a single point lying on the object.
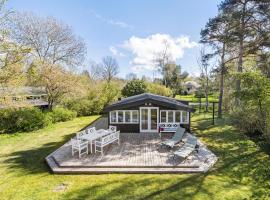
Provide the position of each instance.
(242, 172)
(193, 99)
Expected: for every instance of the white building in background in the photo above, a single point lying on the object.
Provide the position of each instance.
(191, 86)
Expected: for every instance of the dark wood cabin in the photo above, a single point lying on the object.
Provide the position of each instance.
(149, 113)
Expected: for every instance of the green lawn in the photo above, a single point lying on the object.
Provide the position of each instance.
(193, 99)
(242, 172)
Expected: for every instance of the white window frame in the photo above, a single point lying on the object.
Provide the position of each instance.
(124, 117)
(174, 111)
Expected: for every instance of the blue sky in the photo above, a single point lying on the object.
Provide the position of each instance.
(132, 31)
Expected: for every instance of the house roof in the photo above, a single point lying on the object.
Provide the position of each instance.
(150, 98)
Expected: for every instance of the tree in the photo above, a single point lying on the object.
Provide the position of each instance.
(205, 75)
(134, 87)
(215, 34)
(246, 19)
(58, 82)
(174, 77)
(159, 89)
(50, 40)
(12, 55)
(11, 66)
(131, 76)
(163, 60)
(55, 51)
(108, 68)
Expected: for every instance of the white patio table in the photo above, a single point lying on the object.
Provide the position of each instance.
(96, 135)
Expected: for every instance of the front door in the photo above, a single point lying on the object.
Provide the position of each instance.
(148, 119)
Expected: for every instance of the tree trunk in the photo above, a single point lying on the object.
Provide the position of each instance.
(221, 85)
(241, 50)
(206, 94)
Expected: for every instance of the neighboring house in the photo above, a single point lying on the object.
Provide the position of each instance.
(149, 113)
(24, 96)
(190, 87)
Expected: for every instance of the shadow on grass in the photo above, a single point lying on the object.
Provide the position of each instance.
(141, 188)
(32, 161)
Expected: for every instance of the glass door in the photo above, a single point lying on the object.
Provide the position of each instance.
(148, 119)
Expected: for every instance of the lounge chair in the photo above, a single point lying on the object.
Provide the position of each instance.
(177, 137)
(187, 148)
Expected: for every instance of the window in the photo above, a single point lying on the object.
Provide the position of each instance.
(174, 116)
(113, 116)
(124, 116)
(135, 114)
(127, 116)
(178, 116)
(120, 116)
(170, 116)
(185, 116)
(163, 116)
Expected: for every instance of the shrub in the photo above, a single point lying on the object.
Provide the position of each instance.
(23, 119)
(134, 87)
(82, 106)
(62, 115)
(159, 89)
(95, 101)
(199, 94)
(252, 114)
(248, 120)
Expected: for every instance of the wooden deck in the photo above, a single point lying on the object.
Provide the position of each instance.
(137, 153)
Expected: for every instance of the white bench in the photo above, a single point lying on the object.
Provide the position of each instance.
(104, 141)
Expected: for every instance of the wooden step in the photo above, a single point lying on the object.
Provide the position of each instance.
(124, 170)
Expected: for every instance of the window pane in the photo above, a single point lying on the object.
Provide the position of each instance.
(127, 116)
(135, 116)
(120, 116)
(170, 116)
(177, 116)
(154, 119)
(163, 117)
(113, 116)
(144, 118)
(184, 116)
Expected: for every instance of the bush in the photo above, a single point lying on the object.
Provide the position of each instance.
(199, 94)
(62, 115)
(252, 114)
(95, 101)
(159, 89)
(248, 121)
(134, 87)
(23, 119)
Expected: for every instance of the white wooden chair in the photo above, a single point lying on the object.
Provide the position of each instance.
(80, 134)
(79, 146)
(91, 130)
(104, 141)
(112, 128)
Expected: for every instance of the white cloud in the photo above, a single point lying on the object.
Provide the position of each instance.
(113, 22)
(115, 52)
(145, 50)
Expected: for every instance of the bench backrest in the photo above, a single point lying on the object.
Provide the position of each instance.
(112, 128)
(110, 138)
